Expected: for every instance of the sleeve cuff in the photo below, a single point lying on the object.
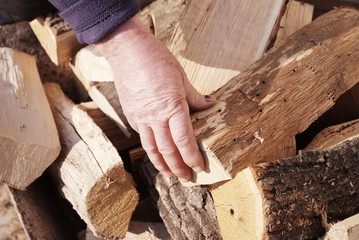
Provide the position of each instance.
(92, 20)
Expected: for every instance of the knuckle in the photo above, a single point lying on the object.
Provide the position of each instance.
(167, 150)
(150, 149)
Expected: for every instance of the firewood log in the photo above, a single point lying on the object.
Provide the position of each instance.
(214, 40)
(29, 141)
(89, 172)
(296, 16)
(348, 229)
(56, 37)
(256, 111)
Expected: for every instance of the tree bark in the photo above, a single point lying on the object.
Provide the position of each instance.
(188, 213)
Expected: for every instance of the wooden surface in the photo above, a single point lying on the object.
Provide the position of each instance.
(296, 16)
(119, 140)
(318, 63)
(95, 75)
(348, 229)
(56, 37)
(215, 40)
(90, 173)
(10, 225)
(335, 135)
(161, 17)
(29, 141)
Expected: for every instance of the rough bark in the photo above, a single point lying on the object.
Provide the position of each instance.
(256, 111)
(188, 213)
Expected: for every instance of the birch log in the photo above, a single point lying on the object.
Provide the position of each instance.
(29, 141)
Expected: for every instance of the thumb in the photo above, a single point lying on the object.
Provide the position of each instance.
(197, 101)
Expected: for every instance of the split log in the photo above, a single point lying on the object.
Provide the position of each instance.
(347, 229)
(89, 172)
(296, 16)
(335, 135)
(10, 225)
(43, 212)
(161, 17)
(214, 40)
(56, 37)
(110, 128)
(95, 74)
(188, 213)
(29, 141)
(319, 62)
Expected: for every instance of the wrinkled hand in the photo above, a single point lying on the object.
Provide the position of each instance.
(156, 95)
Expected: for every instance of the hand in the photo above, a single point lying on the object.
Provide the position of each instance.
(156, 96)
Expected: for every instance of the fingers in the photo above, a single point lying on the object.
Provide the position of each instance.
(149, 145)
(186, 143)
(197, 101)
(168, 149)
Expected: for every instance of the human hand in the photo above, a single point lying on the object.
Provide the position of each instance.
(156, 96)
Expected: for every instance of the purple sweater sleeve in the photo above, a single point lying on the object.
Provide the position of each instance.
(93, 19)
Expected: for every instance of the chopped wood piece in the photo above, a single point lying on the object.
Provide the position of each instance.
(188, 213)
(10, 225)
(29, 141)
(140, 231)
(347, 229)
(291, 197)
(332, 136)
(296, 16)
(215, 40)
(110, 128)
(56, 37)
(89, 172)
(44, 213)
(161, 17)
(256, 111)
(95, 74)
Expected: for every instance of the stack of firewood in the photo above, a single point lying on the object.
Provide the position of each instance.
(281, 144)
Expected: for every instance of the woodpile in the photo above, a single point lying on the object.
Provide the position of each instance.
(281, 144)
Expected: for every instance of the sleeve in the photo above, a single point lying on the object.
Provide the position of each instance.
(93, 19)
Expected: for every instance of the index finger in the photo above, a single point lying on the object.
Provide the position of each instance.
(183, 136)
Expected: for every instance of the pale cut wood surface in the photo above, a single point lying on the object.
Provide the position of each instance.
(140, 231)
(296, 16)
(347, 229)
(10, 225)
(256, 110)
(29, 141)
(335, 135)
(56, 37)
(90, 173)
(215, 40)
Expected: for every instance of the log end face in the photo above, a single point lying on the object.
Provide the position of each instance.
(24, 163)
(110, 204)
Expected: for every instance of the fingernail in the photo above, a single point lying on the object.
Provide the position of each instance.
(209, 98)
(197, 169)
(184, 180)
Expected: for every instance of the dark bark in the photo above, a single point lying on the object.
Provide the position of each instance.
(188, 213)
